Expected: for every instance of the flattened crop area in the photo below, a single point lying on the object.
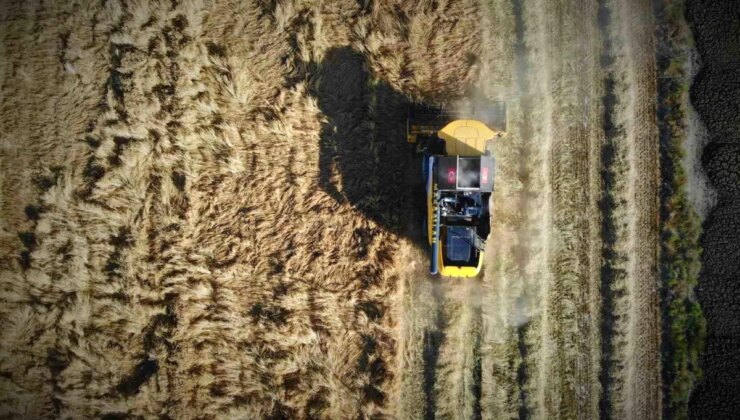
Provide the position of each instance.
(210, 207)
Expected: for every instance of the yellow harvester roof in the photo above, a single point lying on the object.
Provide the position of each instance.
(466, 137)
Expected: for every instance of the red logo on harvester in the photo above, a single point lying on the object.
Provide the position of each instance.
(484, 175)
(451, 176)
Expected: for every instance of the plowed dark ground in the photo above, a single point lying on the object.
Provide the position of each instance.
(716, 95)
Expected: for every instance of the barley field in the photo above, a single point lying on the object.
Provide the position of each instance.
(209, 209)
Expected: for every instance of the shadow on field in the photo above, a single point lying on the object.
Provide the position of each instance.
(364, 159)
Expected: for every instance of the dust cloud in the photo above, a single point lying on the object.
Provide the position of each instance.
(699, 189)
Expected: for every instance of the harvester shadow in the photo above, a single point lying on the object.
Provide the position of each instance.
(366, 162)
(364, 159)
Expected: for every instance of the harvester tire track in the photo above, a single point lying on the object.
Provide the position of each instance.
(643, 396)
(527, 144)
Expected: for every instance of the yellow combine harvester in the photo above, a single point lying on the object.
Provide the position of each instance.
(458, 172)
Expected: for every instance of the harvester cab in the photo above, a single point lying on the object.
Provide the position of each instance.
(458, 171)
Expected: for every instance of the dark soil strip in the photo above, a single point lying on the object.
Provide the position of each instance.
(523, 372)
(477, 366)
(525, 131)
(433, 340)
(607, 205)
(715, 93)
